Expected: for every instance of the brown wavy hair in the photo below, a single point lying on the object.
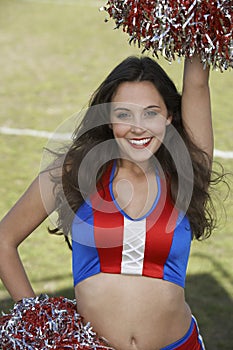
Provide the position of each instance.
(90, 147)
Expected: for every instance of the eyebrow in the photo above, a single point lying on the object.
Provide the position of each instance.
(152, 106)
(127, 109)
(121, 109)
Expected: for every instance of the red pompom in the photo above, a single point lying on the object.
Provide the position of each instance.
(179, 27)
(47, 323)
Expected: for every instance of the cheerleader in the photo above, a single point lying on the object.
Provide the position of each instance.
(132, 189)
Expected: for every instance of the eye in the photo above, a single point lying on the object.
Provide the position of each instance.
(123, 115)
(151, 113)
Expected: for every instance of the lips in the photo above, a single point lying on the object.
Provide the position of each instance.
(140, 142)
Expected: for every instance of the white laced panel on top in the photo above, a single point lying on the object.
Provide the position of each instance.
(133, 246)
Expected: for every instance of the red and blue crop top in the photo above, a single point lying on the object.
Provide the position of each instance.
(105, 239)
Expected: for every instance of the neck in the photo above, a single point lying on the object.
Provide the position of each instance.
(141, 168)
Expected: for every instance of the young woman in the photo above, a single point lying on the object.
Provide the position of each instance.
(133, 191)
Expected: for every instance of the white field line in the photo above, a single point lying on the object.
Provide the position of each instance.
(223, 154)
(35, 133)
(95, 3)
(67, 136)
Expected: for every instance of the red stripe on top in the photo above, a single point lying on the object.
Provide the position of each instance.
(158, 241)
(108, 228)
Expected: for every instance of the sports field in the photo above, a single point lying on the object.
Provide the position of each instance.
(53, 55)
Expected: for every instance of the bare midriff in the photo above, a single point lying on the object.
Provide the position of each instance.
(134, 312)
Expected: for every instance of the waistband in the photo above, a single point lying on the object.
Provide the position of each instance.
(192, 340)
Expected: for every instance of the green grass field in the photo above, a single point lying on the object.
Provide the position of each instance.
(53, 56)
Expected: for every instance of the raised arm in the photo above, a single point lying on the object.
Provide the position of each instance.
(196, 108)
(31, 209)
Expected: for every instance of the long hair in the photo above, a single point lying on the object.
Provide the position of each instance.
(90, 153)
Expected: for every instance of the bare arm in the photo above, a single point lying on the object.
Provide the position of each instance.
(31, 209)
(196, 108)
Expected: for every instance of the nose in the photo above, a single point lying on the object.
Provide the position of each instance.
(137, 125)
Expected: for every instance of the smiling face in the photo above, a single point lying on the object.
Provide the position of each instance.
(138, 119)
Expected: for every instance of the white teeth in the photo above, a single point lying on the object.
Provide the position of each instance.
(140, 142)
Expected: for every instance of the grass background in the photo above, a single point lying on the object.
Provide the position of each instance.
(53, 56)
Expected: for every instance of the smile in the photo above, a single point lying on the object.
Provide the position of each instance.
(140, 142)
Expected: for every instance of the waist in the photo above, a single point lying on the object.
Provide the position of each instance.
(147, 313)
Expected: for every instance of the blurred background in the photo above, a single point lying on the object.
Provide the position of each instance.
(53, 55)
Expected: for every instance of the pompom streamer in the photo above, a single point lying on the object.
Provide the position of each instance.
(179, 28)
(44, 323)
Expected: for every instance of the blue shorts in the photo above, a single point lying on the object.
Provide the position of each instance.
(192, 340)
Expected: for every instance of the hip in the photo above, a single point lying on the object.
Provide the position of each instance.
(192, 340)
